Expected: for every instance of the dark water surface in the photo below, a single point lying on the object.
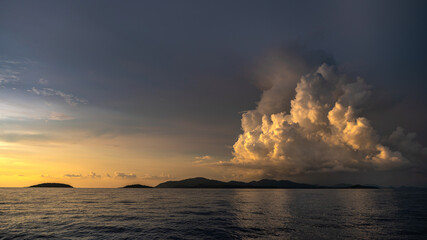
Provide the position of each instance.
(28, 213)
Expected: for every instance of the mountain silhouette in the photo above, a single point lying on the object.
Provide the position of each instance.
(201, 182)
(136, 186)
(198, 182)
(52, 185)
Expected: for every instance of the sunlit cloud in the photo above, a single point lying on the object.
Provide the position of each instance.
(57, 116)
(74, 175)
(206, 157)
(20, 110)
(323, 131)
(70, 99)
(23, 137)
(81, 176)
(162, 176)
(201, 159)
(197, 162)
(94, 175)
(124, 175)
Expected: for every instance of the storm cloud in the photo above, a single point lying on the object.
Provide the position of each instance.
(324, 130)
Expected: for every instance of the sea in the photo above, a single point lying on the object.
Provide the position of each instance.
(78, 213)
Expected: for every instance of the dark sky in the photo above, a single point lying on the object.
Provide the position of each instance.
(187, 68)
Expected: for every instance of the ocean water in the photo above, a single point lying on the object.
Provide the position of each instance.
(31, 213)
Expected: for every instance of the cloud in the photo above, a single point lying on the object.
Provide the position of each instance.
(201, 159)
(280, 72)
(57, 116)
(322, 132)
(68, 98)
(43, 81)
(197, 162)
(205, 157)
(162, 176)
(23, 137)
(124, 175)
(94, 175)
(74, 175)
(90, 175)
(10, 71)
(46, 176)
(406, 144)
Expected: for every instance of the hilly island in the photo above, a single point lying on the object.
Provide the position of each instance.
(200, 182)
(51, 185)
(136, 186)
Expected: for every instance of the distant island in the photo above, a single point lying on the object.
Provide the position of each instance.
(51, 185)
(200, 182)
(136, 186)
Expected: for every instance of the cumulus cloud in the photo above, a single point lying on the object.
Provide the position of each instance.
(280, 72)
(68, 98)
(322, 132)
(124, 175)
(406, 144)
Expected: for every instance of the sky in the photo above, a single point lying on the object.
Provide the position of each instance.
(108, 93)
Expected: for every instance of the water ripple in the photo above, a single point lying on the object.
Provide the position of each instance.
(212, 214)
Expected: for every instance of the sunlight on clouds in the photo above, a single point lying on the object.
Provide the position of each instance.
(91, 161)
(19, 107)
(57, 116)
(322, 132)
(70, 99)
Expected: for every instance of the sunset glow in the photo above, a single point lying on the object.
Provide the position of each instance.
(151, 93)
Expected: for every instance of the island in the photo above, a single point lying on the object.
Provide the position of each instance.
(136, 186)
(51, 185)
(200, 182)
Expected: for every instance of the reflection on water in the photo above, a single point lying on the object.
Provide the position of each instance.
(28, 213)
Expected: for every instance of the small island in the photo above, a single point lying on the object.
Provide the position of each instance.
(51, 185)
(136, 186)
